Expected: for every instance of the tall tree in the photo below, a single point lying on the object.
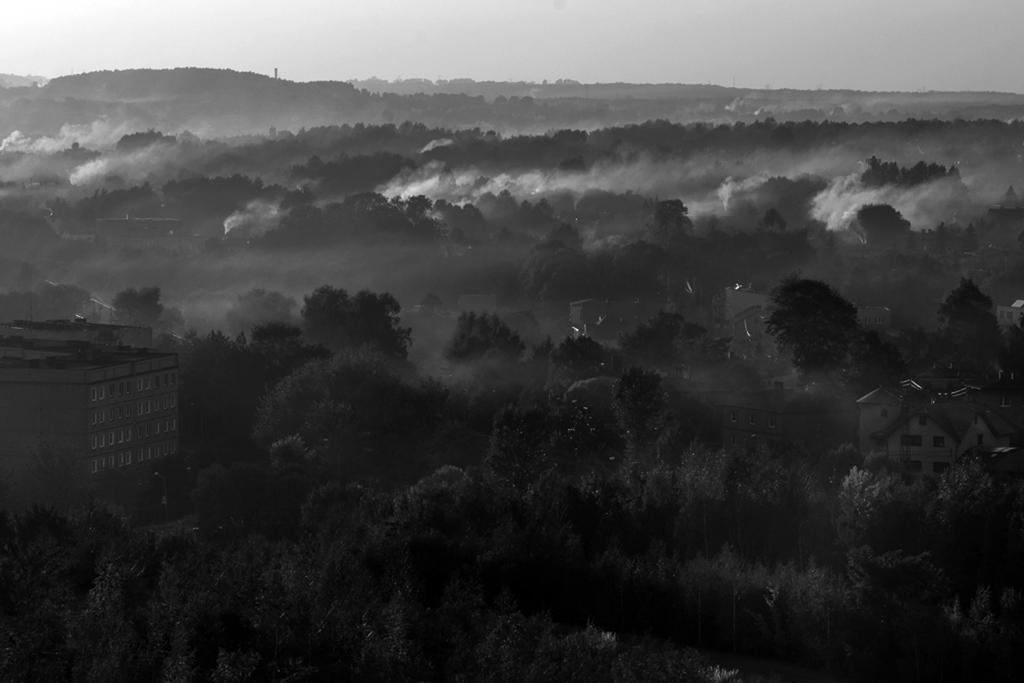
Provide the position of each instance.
(968, 329)
(483, 336)
(640, 405)
(332, 318)
(139, 306)
(884, 225)
(810, 319)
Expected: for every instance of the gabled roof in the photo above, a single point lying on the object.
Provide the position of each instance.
(954, 418)
(880, 397)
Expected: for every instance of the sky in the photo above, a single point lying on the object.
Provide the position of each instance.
(856, 44)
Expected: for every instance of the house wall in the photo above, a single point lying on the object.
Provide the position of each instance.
(929, 458)
(872, 418)
(116, 417)
(1009, 403)
(1009, 316)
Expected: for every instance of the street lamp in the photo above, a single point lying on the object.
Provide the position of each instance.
(157, 474)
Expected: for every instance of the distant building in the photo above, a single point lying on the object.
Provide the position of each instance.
(930, 438)
(874, 317)
(1005, 394)
(114, 408)
(602, 320)
(929, 430)
(742, 314)
(65, 331)
(1011, 315)
(775, 417)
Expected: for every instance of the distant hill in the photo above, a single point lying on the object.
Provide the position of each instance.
(15, 81)
(221, 102)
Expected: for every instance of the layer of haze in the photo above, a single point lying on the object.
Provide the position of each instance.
(857, 44)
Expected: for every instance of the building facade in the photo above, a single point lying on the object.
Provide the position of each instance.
(115, 410)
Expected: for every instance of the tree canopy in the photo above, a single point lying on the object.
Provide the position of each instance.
(812, 321)
(336, 320)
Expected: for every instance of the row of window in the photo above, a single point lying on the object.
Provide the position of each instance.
(118, 436)
(734, 416)
(125, 411)
(125, 457)
(937, 441)
(124, 388)
(917, 466)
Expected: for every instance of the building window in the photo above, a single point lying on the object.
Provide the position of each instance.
(103, 463)
(140, 384)
(939, 441)
(981, 439)
(771, 423)
(732, 439)
(173, 445)
(149, 407)
(149, 452)
(139, 411)
(174, 423)
(922, 420)
(127, 457)
(1004, 402)
(156, 429)
(172, 400)
(94, 442)
(733, 416)
(94, 418)
(167, 402)
(128, 410)
(101, 392)
(752, 419)
(128, 387)
(913, 465)
(910, 439)
(111, 391)
(149, 383)
(173, 377)
(110, 414)
(95, 465)
(103, 440)
(120, 413)
(885, 412)
(128, 436)
(120, 436)
(92, 394)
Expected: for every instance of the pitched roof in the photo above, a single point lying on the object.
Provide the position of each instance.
(880, 397)
(954, 418)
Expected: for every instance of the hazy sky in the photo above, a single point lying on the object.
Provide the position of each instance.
(862, 44)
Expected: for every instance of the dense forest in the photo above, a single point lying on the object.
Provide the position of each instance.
(399, 461)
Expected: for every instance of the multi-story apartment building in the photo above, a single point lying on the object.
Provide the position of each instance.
(114, 408)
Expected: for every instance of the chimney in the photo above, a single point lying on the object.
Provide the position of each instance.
(275, 73)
